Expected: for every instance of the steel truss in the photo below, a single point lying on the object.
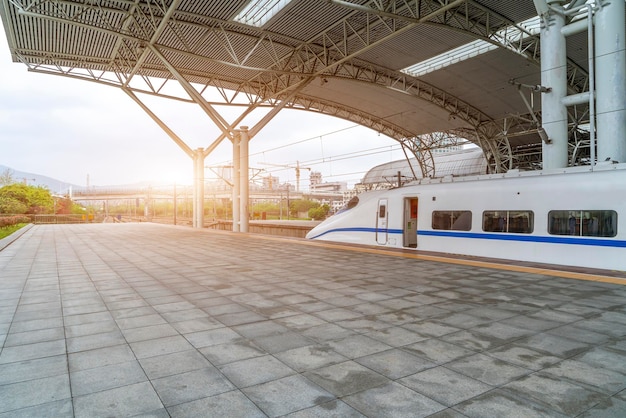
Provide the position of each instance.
(155, 43)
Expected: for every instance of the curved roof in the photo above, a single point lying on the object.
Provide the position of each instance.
(455, 163)
(405, 68)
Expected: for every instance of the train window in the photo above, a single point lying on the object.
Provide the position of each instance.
(352, 203)
(586, 223)
(456, 220)
(381, 211)
(512, 221)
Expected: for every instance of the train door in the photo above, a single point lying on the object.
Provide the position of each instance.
(409, 233)
(381, 222)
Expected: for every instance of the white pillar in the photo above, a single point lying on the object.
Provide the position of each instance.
(244, 182)
(236, 181)
(610, 81)
(554, 76)
(198, 188)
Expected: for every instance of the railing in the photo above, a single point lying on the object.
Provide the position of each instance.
(64, 219)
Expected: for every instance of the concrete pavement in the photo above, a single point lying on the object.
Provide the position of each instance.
(149, 320)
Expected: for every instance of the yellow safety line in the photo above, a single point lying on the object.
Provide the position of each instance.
(450, 260)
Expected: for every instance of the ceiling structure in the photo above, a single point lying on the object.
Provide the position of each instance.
(423, 72)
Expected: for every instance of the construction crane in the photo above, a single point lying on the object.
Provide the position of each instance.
(25, 180)
(296, 167)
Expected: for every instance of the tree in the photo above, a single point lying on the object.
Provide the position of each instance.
(21, 198)
(319, 213)
(302, 206)
(6, 177)
(65, 206)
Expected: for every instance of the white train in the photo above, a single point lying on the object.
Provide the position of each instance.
(572, 217)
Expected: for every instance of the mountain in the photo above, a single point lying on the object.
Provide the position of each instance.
(32, 179)
(61, 187)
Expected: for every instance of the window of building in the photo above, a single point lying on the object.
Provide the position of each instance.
(455, 220)
(512, 221)
(586, 223)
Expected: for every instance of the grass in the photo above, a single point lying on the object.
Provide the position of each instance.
(6, 231)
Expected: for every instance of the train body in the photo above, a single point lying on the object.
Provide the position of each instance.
(571, 217)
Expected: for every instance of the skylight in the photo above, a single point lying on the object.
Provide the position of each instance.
(508, 36)
(259, 12)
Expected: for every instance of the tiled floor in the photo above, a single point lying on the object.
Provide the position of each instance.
(149, 320)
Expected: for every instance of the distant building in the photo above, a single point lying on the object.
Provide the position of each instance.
(271, 183)
(315, 178)
(316, 185)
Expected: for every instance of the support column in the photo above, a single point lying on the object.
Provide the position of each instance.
(198, 188)
(610, 81)
(236, 181)
(554, 76)
(244, 182)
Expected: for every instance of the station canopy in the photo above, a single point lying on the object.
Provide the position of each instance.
(464, 162)
(426, 73)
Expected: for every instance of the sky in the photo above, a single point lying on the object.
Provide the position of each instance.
(82, 133)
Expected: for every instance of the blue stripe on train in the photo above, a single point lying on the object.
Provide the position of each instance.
(605, 242)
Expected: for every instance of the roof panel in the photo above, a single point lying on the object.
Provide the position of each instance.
(205, 45)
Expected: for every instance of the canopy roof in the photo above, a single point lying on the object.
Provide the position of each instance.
(406, 68)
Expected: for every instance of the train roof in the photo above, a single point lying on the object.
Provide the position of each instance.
(599, 168)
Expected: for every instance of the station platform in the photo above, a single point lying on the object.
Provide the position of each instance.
(150, 320)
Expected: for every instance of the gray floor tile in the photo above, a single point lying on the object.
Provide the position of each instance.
(56, 409)
(196, 324)
(523, 357)
(107, 377)
(346, 378)
(358, 346)
(36, 324)
(607, 358)
(310, 357)
(286, 395)
(86, 318)
(212, 337)
(131, 400)
(331, 409)
(33, 369)
(256, 370)
(34, 392)
(596, 378)
(556, 393)
(282, 342)
(235, 350)
(100, 357)
(260, 329)
(30, 337)
(393, 400)
(90, 342)
(553, 345)
(150, 332)
(160, 346)
(504, 404)
(610, 408)
(140, 321)
(438, 351)
(32, 351)
(229, 404)
(487, 369)
(90, 329)
(445, 386)
(175, 363)
(395, 363)
(191, 386)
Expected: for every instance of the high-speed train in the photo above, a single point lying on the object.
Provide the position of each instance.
(572, 217)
